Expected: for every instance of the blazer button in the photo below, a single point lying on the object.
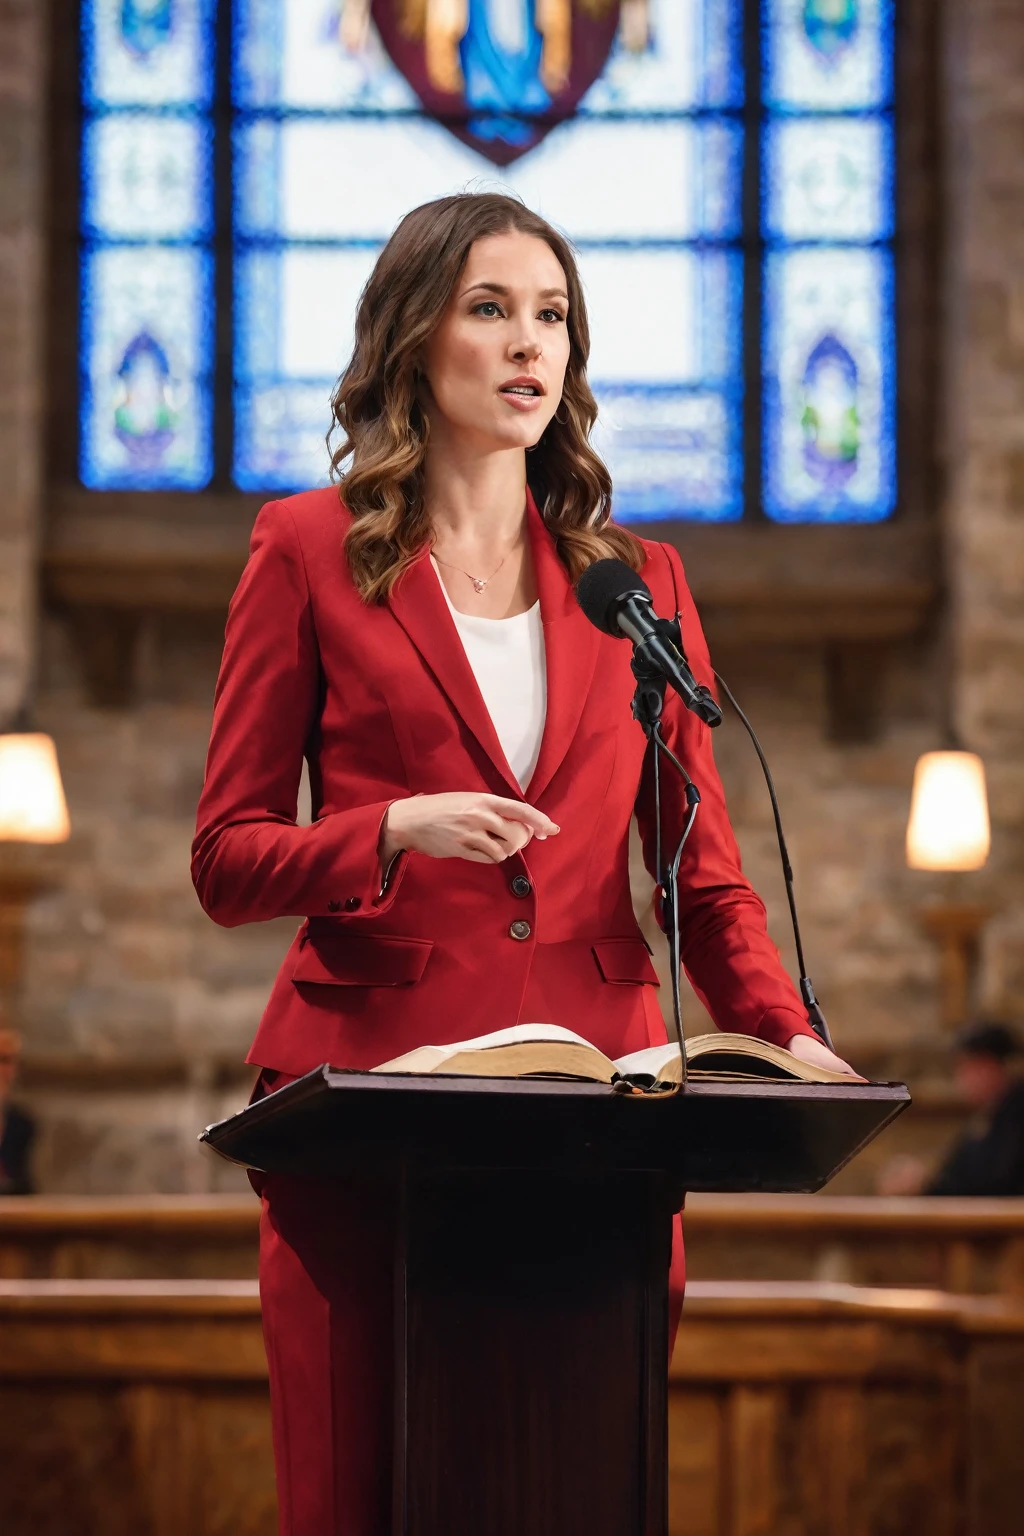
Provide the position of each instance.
(334, 906)
(519, 929)
(521, 886)
(353, 904)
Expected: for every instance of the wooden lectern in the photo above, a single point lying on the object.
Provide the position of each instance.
(532, 1268)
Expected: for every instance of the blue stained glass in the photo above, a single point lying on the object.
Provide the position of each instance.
(828, 210)
(294, 311)
(146, 353)
(693, 61)
(350, 178)
(828, 178)
(829, 386)
(672, 453)
(331, 149)
(667, 374)
(147, 53)
(827, 55)
(292, 56)
(146, 176)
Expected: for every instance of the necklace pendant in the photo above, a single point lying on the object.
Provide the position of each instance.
(477, 583)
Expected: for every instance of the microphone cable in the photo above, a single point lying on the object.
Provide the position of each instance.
(815, 1016)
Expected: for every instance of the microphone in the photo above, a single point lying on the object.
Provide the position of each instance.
(619, 602)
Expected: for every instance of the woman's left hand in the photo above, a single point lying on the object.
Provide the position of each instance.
(817, 1054)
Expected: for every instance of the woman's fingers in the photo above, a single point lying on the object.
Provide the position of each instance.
(517, 810)
(481, 848)
(512, 834)
(478, 827)
(817, 1053)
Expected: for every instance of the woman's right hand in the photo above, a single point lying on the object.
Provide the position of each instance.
(486, 829)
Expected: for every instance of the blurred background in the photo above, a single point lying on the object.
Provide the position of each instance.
(798, 222)
(801, 228)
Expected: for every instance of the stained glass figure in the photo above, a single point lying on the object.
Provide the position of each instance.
(145, 419)
(827, 55)
(831, 25)
(144, 53)
(830, 419)
(146, 25)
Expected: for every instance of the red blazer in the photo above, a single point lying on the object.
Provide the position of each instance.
(382, 703)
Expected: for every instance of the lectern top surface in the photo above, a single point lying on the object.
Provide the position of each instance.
(754, 1135)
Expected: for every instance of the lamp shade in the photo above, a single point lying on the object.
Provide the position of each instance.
(948, 827)
(32, 804)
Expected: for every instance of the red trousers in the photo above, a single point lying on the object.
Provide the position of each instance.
(326, 1252)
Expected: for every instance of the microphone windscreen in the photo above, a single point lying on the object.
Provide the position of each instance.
(602, 587)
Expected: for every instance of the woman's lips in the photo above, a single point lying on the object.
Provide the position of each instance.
(521, 402)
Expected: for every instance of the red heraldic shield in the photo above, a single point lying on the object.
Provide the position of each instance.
(503, 73)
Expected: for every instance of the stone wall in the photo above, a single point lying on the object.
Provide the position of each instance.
(22, 118)
(985, 436)
(126, 975)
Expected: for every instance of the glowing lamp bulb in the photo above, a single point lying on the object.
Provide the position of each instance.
(948, 827)
(32, 804)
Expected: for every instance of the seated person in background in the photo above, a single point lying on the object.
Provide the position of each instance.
(988, 1158)
(17, 1129)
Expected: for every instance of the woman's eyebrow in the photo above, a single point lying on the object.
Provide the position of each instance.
(503, 291)
(489, 287)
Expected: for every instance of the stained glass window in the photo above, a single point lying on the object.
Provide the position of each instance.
(828, 354)
(642, 129)
(145, 390)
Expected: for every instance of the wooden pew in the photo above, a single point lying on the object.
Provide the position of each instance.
(835, 1410)
(139, 1409)
(952, 1245)
(129, 1237)
(961, 1246)
(134, 1408)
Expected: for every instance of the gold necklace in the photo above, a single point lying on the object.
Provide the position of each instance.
(479, 582)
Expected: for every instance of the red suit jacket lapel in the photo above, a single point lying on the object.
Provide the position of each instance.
(570, 644)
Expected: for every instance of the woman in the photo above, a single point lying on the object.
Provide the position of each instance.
(473, 766)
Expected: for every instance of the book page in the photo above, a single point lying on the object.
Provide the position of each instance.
(427, 1058)
(648, 1062)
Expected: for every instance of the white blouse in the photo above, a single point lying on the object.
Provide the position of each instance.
(507, 658)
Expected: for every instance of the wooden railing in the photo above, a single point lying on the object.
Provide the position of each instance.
(139, 1409)
(961, 1246)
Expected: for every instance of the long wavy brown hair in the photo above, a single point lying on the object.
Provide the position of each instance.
(384, 431)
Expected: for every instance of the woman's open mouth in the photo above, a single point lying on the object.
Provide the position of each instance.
(524, 394)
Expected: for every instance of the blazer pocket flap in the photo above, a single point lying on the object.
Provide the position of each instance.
(624, 960)
(352, 960)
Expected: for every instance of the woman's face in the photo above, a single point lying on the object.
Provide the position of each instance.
(496, 362)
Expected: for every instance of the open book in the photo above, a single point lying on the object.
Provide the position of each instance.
(548, 1050)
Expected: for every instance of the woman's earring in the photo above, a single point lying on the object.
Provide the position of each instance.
(559, 419)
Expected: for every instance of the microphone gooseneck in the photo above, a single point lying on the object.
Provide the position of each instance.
(620, 603)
